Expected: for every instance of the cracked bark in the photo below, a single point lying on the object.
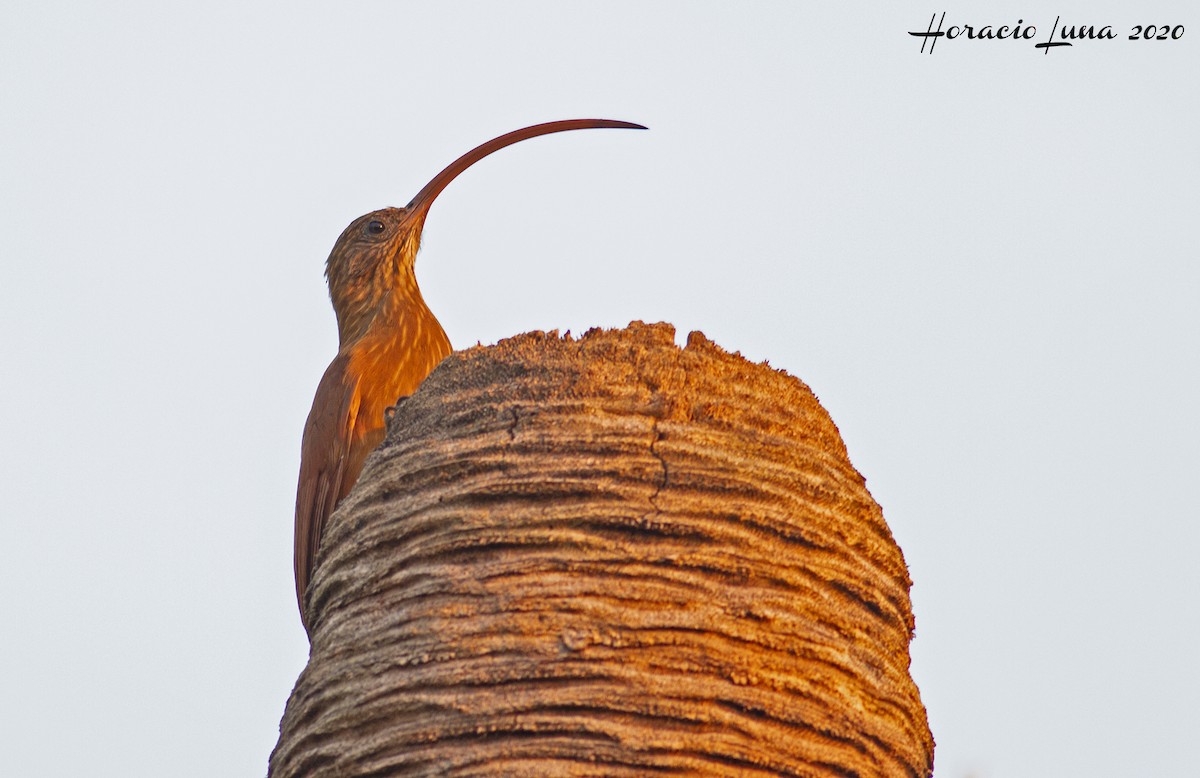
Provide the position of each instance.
(494, 597)
(666, 474)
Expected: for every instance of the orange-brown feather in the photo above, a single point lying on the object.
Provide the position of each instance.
(390, 343)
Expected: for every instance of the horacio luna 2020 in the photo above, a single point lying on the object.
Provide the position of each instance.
(1060, 34)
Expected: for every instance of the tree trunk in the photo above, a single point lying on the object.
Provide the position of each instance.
(608, 556)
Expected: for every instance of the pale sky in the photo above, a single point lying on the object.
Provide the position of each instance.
(983, 261)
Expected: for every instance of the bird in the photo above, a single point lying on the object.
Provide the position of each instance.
(388, 342)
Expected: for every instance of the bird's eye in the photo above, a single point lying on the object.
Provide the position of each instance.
(375, 227)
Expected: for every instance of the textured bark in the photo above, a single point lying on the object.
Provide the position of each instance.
(608, 556)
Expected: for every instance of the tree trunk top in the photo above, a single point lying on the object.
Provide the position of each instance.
(608, 556)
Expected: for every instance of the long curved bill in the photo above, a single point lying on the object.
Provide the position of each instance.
(420, 204)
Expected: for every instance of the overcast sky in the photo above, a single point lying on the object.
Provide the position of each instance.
(983, 260)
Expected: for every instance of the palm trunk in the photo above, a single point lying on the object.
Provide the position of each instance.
(608, 556)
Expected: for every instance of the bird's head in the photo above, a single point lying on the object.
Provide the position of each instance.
(374, 257)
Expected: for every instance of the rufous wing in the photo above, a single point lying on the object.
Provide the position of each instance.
(325, 455)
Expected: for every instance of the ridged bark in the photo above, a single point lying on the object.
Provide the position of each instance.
(608, 556)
